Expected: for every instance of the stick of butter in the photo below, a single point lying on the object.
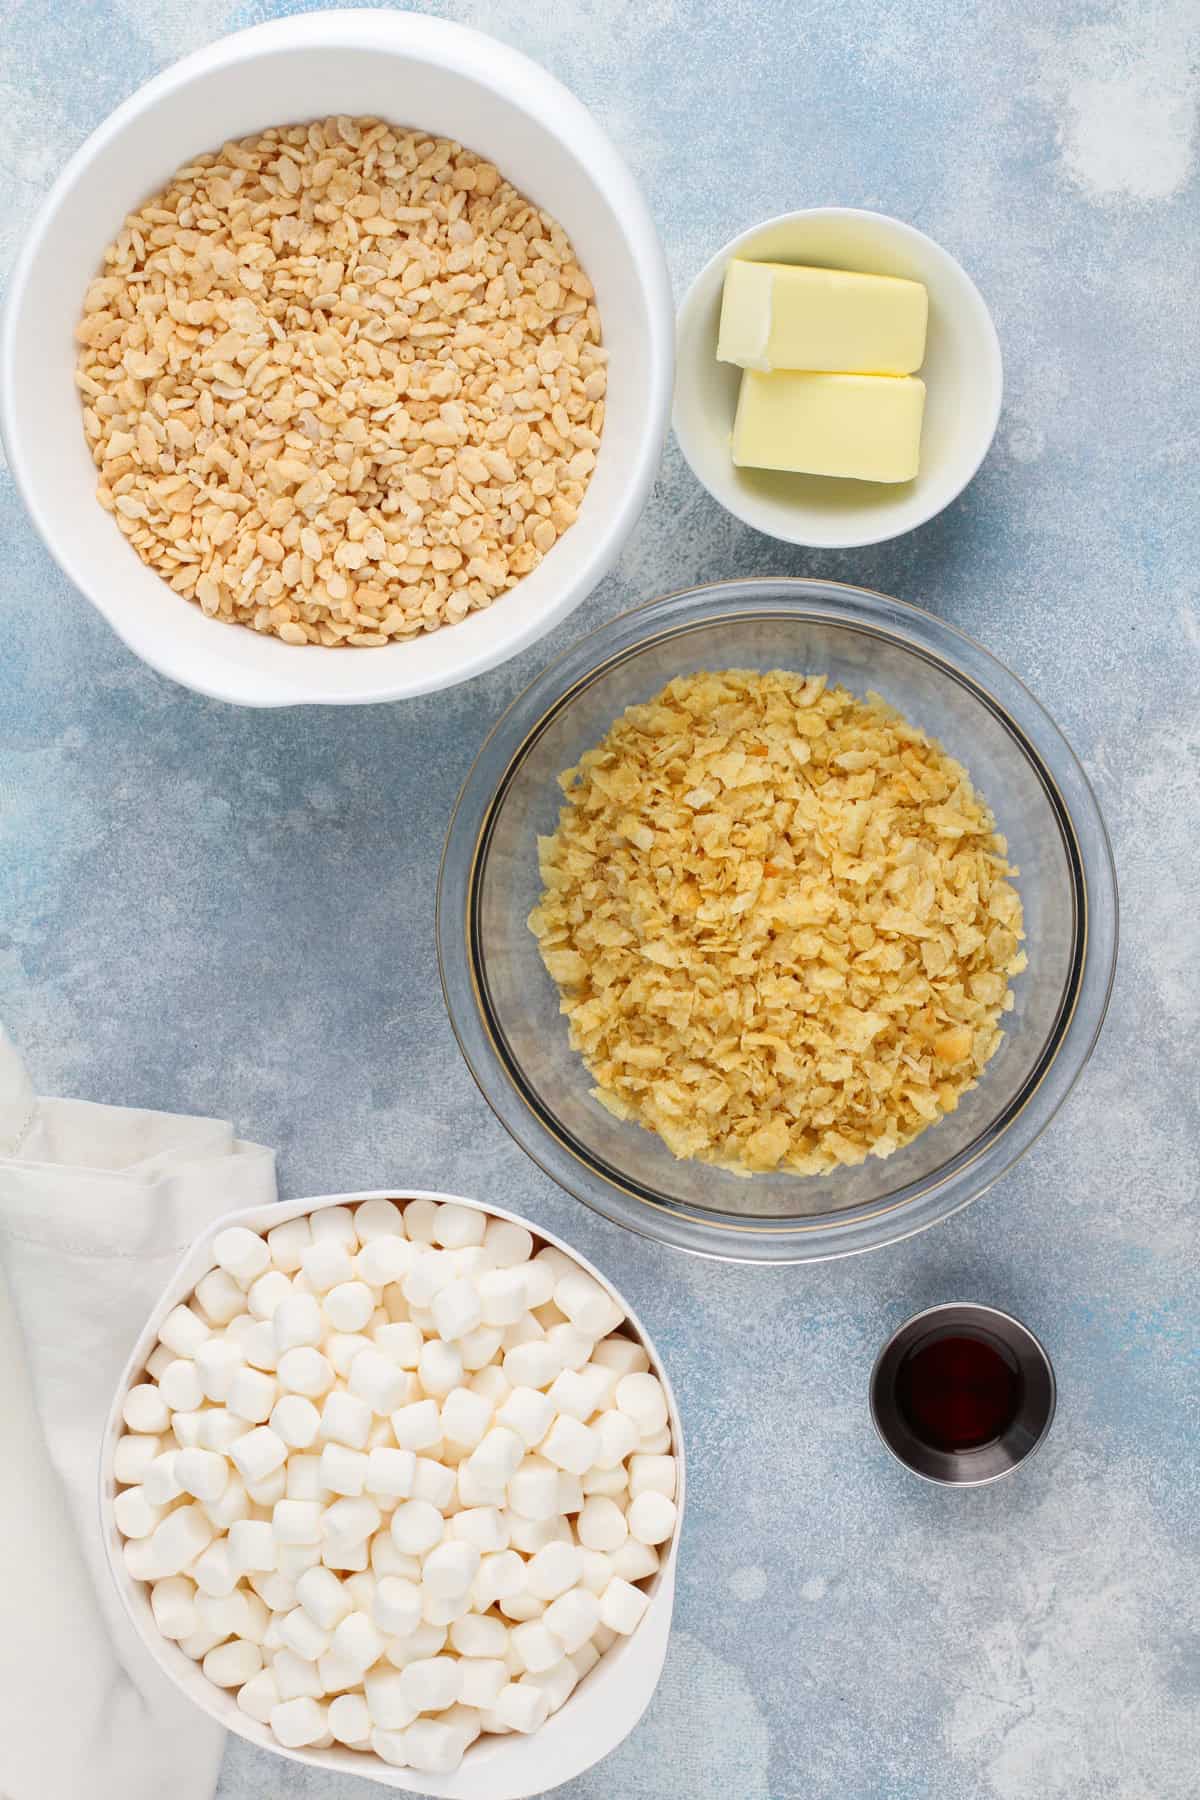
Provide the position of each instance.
(864, 427)
(781, 316)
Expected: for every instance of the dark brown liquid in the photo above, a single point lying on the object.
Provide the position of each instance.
(958, 1391)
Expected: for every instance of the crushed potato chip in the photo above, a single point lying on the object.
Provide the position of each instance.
(780, 921)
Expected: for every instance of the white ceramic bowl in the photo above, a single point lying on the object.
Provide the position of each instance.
(962, 375)
(412, 70)
(605, 1706)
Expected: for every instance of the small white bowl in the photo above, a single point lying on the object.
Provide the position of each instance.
(605, 1706)
(962, 375)
(412, 70)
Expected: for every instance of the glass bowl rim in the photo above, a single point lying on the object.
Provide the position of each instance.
(968, 1174)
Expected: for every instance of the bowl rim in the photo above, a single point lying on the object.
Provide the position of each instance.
(687, 325)
(524, 83)
(1001, 1143)
(630, 1679)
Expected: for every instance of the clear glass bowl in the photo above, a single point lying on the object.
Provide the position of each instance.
(504, 1007)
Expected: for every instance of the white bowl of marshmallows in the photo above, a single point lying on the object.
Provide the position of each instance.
(392, 1487)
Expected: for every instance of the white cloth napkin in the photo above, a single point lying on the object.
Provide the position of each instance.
(97, 1206)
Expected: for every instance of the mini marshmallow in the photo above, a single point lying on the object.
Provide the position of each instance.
(569, 1445)
(233, 1664)
(552, 1571)
(533, 1488)
(622, 1354)
(527, 1412)
(579, 1392)
(652, 1474)
(584, 1659)
(434, 1482)
(133, 1455)
(478, 1347)
(298, 1722)
(349, 1720)
(399, 1341)
(557, 1683)
(622, 1606)
(343, 1471)
(498, 1455)
(346, 1557)
(439, 1367)
(521, 1706)
(343, 1348)
(180, 1538)
(199, 1644)
(634, 1561)
(350, 1522)
(160, 1358)
(298, 1322)
(612, 1483)
(288, 1242)
(135, 1516)
(616, 1436)
(297, 1521)
(145, 1410)
(587, 1304)
(572, 1617)
(375, 1379)
(574, 1347)
(506, 1243)
(416, 1527)
(532, 1364)
(443, 1609)
(334, 1224)
(465, 1417)
(396, 1608)
(345, 1420)
(455, 1227)
(642, 1397)
(326, 1265)
(219, 1297)
(213, 1570)
(481, 1679)
(260, 1696)
(596, 1571)
(336, 1675)
(186, 1429)
(386, 1700)
(296, 1676)
(253, 1546)
(173, 1603)
(426, 1640)
(375, 1219)
(417, 1426)
(271, 1488)
(456, 1310)
(387, 1560)
(539, 1284)
(295, 1420)
(252, 1394)
(656, 1443)
(142, 1561)
(302, 1635)
(276, 1589)
(432, 1747)
(305, 1371)
(527, 1330)
(492, 1383)
(390, 1472)
(180, 1385)
(601, 1524)
(501, 1296)
(257, 1344)
(420, 1218)
(431, 1683)
(430, 1271)
(569, 1493)
(385, 1260)
(531, 1535)
(241, 1253)
(349, 1305)
(234, 1503)
(450, 1568)
(225, 1614)
(500, 1575)
(357, 1641)
(216, 1363)
(535, 1645)
(294, 1559)
(258, 1454)
(482, 1526)
(304, 1477)
(651, 1517)
(268, 1293)
(218, 1429)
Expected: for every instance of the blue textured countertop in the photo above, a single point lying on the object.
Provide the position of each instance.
(222, 911)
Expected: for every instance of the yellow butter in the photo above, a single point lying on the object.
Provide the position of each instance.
(780, 316)
(863, 427)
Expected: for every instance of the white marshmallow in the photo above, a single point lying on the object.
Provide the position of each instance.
(387, 1560)
(527, 1412)
(532, 1364)
(536, 1646)
(633, 1561)
(294, 1559)
(573, 1617)
(622, 1354)
(334, 1224)
(219, 1297)
(439, 1367)
(349, 1305)
(260, 1696)
(180, 1538)
(574, 1347)
(642, 1397)
(252, 1394)
(375, 1219)
(587, 1304)
(396, 1608)
(180, 1385)
(454, 1227)
(343, 1348)
(570, 1494)
(295, 1420)
(296, 1676)
(652, 1474)
(344, 1420)
(267, 1294)
(580, 1392)
(612, 1483)
(434, 1482)
(569, 1445)
(298, 1722)
(141, 1559)
(173, 1603)
(616, 1435)
(498, 1455)
(376, 1380)
(234, 1503)
(450, 1568)
(257, 1344)
(531, 1535)
(357, 1642)
(539, 1283)
(145, 1410)
(253, 1546)
(390, 1472)
(553, 1570)
(478, 1636)
(465, 1417)
(326, 1265)
(596, 1571)
(651, 1517)
(233, 1664)
(218, 1429)
(417, 1426)
(501, 1296)
(585, 1659)
(160, 1358)
(133, 1455)
(601, 1524)
(297, 1521)
(426, 1640)
(656, 1443)
(276, 1590)
(622, 1606)
(533, 1489)
(304, 1477)
(201, 1473)
(521, 1706)
(386, 1700)
(345, 1556)
(305, 1371)
(349, 1720)
(323, 1597)
(431, 1683)
(478, 1347)
(241, 1253)
(456, 1310)
(216, 1363)
(213, 1570)
(288, 1242)
(258, 1454)
(343, 1471)
(335, 1674)
(223, 1614)
(443, 1609)
(135, 1516)
(527, 1330)
(420, 1217)
(350, 1522)
(482, 1526)
(500, 1575)
(492, 1383)
(186, 1429)
(271, 1488)
(506, 1243)
(302, 1635)
(481, 1679)
(298, 1322)
(199, 1644)
(416, 1527)
(400, 1341)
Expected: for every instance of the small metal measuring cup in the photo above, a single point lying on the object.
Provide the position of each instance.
(1024, 1433)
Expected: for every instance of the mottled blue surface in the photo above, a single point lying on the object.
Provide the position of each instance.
(225, 911)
